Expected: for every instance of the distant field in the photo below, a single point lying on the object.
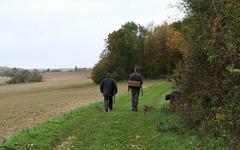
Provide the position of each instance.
(3, 80)
(25, 105)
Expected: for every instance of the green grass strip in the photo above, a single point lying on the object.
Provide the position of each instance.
(121, 129)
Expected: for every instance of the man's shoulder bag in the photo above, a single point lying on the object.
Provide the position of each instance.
(134, 84)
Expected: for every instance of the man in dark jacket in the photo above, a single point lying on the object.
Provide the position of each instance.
(108, 87)
(135, 76)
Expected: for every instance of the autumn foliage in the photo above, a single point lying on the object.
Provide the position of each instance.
(155, 49)
(210, 72)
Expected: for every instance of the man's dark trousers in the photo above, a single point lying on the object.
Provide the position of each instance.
(135, 97)
(108, 102)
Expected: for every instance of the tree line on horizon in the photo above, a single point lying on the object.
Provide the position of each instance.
(156, 50)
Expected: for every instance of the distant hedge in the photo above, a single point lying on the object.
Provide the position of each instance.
(23, 76)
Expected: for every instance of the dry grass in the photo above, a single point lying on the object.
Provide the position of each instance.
(3, 80)
(26, 105)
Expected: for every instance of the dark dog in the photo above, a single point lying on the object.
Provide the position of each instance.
(174, 99)
(167, 97)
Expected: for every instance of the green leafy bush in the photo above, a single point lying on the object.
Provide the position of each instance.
(209, 75)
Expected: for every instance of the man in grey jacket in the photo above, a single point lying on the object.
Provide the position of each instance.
(108, 88)
(135, 76)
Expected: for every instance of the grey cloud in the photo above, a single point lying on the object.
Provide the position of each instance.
(65, 33)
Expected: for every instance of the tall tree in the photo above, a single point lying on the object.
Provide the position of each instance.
(133, 45)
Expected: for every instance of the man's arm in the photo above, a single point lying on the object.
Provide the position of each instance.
(130, 78)
(101, 87)
(141, 79)
(115, 88)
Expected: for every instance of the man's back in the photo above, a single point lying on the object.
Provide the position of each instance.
(135, 76)
(108, 87)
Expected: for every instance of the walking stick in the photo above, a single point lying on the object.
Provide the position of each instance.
(114, 99)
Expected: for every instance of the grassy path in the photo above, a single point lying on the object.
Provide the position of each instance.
(92, 128)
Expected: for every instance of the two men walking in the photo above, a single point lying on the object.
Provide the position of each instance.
(108, 88)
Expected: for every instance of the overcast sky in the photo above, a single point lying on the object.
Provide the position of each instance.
(68, 33)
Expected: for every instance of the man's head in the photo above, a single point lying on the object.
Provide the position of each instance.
(108, 75)
(137, 69)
